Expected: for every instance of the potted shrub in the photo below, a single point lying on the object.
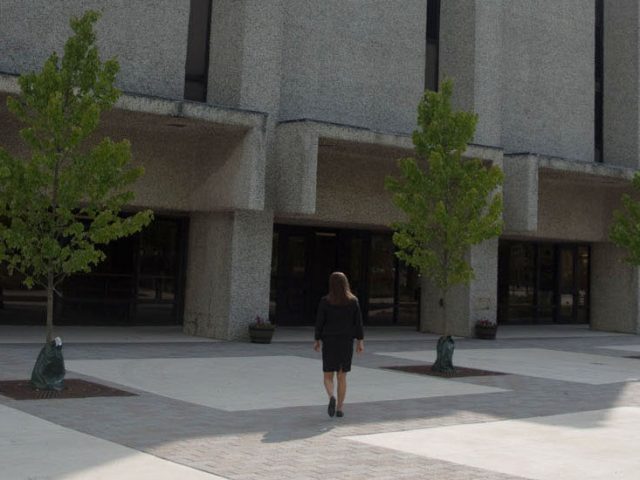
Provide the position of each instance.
(486, 329)
(261, 330)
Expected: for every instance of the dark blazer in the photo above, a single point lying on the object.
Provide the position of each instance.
(339, 320)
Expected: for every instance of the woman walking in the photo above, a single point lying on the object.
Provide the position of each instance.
(339, 321)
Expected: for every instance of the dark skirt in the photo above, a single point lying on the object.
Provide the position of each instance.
(337, 352)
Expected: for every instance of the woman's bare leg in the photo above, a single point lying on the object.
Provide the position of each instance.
(328, 383)
(342, 388)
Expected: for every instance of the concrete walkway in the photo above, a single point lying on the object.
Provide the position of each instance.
(567, 407)
(77, 334)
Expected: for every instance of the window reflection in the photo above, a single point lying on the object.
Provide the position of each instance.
(522, 282)
(381, 276)
(543, 282)
(138, 282)
(387, 290)
(408, 292)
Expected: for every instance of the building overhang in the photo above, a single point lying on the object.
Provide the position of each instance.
(188, 110)
(196, 156)
(300, 144)
(525, 173)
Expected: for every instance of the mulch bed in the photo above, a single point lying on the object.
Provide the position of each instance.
(73, 388)
(459, 371)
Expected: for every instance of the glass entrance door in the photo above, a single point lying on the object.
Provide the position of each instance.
(381, 281)
(546, 283)
(323, 261)
(408, 294)
(291, 304)
(543, 282)
(352, 254)
(304, 257)
(566, 285)
(573, 284)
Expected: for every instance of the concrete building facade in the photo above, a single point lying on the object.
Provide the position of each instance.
(267, 127)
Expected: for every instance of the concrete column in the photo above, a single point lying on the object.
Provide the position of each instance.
(228, 273)
(621, 119)
(228, 175)
(297, 167)
(483, 290)
(245, 54)
(547, 77)
(465, 303)
(149, 39)
(471, 55)
(431, 318)
(614, 290)
(249, 185)
(520, 191)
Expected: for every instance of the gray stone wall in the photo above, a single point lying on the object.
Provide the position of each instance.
(548, 77)
(621, 119)
(432, 315)
(466, 304)
(351, 189)
(358, 63)
(520, 194)
(471, 56)
(229, 263)
(614, 290)
(191, 164)
(483, 289)
(207, 295)
(526, 67)
(572, 210)
(149, 39)
(245, 68)
(245, 54)
(294, 167)
(251, 270)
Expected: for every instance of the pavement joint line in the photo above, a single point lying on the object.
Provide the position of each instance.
(232, 444)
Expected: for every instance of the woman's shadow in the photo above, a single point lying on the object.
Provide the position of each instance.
(296, 429)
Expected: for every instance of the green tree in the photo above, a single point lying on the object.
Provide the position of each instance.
(64, 201)
(625, 229)
(449, 202)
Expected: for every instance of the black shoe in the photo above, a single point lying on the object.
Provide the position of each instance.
(332, 406)
(339, 413)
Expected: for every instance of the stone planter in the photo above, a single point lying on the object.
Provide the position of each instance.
(260, 335)
(486, 333)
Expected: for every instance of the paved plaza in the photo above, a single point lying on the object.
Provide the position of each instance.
(566, 407)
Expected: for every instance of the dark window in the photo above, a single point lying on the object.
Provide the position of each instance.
(141, 281)
(433, 41)
(543, 282)
(381, 280)
(304, 257)
(197, 65)
(599, 81)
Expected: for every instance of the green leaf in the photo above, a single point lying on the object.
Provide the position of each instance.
(64, 201)
(450, 203)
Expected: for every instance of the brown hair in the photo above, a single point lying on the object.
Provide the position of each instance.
(339, 290)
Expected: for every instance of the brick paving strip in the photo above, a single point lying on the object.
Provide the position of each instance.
(302, 442)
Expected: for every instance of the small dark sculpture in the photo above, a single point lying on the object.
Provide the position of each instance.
(444, 360)
(48, 372)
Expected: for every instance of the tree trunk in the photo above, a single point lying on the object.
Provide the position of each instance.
(49, 371)
(50, 307)
(446, 345)
(445, 323)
